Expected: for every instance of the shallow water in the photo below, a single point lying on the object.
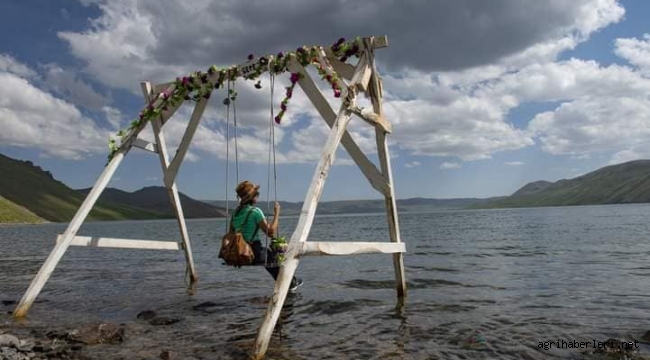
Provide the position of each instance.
(514, 277)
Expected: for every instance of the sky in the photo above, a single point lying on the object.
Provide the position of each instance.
(483, 96)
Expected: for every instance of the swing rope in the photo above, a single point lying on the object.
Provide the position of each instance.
(231, 100)
(271, 151)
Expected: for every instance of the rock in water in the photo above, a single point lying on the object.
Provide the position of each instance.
(7, 340)
(98, 334)
(146, 315)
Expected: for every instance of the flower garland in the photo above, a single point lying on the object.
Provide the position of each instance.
(199, 85)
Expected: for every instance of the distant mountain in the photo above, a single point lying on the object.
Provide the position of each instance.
(155, 199)
(28, 186)
(616, 184)
(366, 206)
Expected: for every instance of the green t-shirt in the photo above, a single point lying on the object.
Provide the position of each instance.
(254, 219)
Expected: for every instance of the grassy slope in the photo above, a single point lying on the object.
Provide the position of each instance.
(617, 184)
(12, 213)
(29, 186)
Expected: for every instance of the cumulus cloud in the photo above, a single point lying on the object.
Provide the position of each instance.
(636, 51)
(34, 118)
(70, 87)
(454, 70)
(586, 125)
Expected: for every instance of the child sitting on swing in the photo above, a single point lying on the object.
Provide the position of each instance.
(248, 193)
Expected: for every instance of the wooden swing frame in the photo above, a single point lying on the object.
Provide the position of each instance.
(360, 78)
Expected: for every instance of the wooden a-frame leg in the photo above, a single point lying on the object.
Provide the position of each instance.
(300, 234)
(391, 211)
(57, 253)
(174, 199)
(172, 190)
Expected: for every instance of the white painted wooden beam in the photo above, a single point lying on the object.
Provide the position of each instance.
(362, 74)
(349, 248)
(372, 118)
(122, 243)
(172, 169)
(374, 176)
(300, 233)
(59, 249)
(343, 69)
(145, 145)
(172, 190)
(322, 59)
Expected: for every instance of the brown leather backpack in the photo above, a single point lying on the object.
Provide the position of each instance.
(234, 248)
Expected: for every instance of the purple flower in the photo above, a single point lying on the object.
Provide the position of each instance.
(337, 93)
(251, 57)
(289, 93)
(341, 41)
(328, 77)
(294, 77)
(283, 106)
(280, 55)
(343, 59)
(277, 119)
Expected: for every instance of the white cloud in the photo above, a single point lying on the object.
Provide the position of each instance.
(70, 87)
(514, 163)
(10, 65)
(450, 165)
(636, 51)
(412, 164)
(33, 118)
(593, 125)
(504, 57)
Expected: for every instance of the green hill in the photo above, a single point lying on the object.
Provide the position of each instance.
(616, 184)
(29, 186)
(12, 213)
(155, 198)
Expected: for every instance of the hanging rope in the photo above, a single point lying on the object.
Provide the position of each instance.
(227, 102)
(234, 114)
(271, 151)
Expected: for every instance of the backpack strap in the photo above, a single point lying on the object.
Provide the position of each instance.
(232, 219)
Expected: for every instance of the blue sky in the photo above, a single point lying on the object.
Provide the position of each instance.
(483, 96)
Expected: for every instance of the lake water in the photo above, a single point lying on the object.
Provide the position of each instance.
(508, 278)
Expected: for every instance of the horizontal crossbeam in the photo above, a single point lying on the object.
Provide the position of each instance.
(123, 243)
(145, 145)
(350, 248)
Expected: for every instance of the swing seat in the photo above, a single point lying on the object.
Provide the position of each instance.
(274, 264)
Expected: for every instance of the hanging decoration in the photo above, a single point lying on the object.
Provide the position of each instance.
(199, 85)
